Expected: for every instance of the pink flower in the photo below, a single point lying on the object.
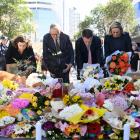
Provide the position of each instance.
(20, 103)
(83, 130)
(58, 86)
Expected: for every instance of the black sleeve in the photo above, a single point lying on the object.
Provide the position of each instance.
(99, 51)
(9, 55)
(106, 46)
(45, 50)
(32, 58)
(128, 42)
(71, 51)
(78, 57)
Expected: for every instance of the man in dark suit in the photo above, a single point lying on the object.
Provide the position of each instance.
(58, 54)
(87, 50)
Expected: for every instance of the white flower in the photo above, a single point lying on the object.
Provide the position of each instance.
(70, 111)
(27, 127)
(6, 120)
(57, 105)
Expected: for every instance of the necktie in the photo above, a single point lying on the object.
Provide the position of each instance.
(89, 55)
(57, 45)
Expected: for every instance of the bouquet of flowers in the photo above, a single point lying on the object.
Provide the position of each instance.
(39, 103)
(7, 91)
(116, 82)
(52, 132)
(118, 63)
(68, 100)
(25, 67)
(24, 129)
(91, 70)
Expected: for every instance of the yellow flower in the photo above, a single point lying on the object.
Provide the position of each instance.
(34, 104)
(21, 124)
(75, 98)
(27, 96)
(66, 99)
(47, 102)
(39, 112)
(9, 84)
(3, 113)
(107, 84)
(34, 99)
(100, 136)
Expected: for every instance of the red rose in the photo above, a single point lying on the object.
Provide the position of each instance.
(94, 128)
(89, 112)
(57, 93)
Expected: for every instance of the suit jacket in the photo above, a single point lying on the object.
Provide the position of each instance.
(81, 52)
(49, 49)
(122, 43)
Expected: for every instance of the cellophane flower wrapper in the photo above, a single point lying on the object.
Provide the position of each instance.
(91, 70)
(117, 53)
(77, 118)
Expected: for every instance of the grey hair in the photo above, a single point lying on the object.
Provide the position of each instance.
(56, 26)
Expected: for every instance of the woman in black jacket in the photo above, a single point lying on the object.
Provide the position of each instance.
(21, 54)
(119, 40)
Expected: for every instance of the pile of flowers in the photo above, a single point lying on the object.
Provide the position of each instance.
(77, 114)
(118, 63)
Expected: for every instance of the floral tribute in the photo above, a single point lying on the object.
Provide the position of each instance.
(77, 114)
(118, 63)
(91, 70)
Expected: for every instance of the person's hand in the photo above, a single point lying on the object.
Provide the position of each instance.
(67, 68)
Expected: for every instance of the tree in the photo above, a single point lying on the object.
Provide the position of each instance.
(15, 18)
(102, 16)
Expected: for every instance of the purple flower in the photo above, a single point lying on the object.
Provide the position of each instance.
(2, 132)
(9, 92)
(48, 126)
(9, 130)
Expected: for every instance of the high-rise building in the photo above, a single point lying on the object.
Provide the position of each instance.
(62, 10)
(74, 20)
(43, 15)
(137, 9)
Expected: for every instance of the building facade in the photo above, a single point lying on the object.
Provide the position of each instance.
(43, 15)
(74, 20)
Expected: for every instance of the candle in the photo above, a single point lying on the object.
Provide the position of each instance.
(138, 66)
(126, 132)
(38, 131)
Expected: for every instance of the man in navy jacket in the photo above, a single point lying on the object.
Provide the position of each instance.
(58, 54)
(87, 50)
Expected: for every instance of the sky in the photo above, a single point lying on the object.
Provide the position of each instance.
(85, 6)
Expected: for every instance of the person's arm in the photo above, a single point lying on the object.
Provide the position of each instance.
(45, 50)
(106, 46)
(71, 51)
(128, 42)
(32, 58)
(9, 56)
(99, 51)
(71, 55)
(78, 58)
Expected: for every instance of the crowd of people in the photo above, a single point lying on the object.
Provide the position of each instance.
(59, 56)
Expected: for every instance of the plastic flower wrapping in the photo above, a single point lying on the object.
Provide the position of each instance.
(91, 70)
(118, 63)
(116, 82)
(91, 109)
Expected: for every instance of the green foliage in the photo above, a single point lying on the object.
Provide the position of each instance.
(102, 16)
(15, 18)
